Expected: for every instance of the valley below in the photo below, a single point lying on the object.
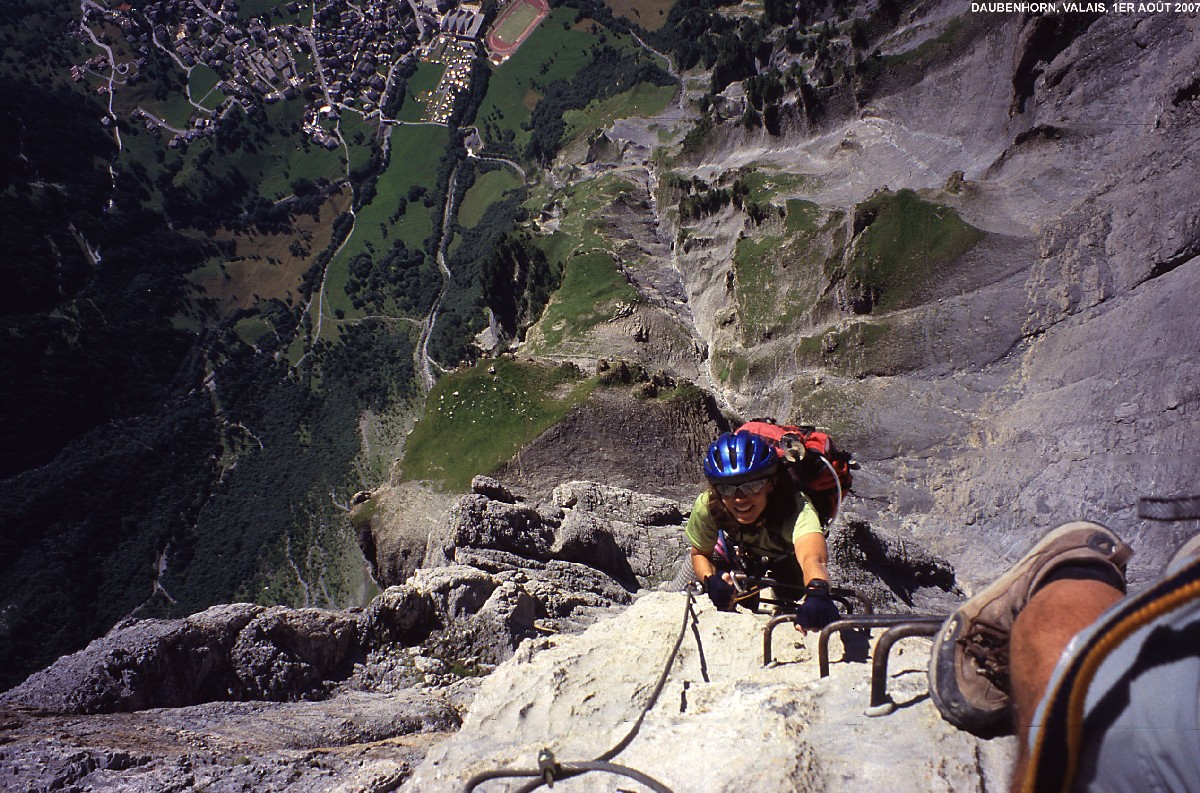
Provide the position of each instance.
(421, 517)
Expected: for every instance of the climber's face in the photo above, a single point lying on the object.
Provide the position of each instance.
(747, 507)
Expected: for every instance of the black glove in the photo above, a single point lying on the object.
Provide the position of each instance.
(818, 608)
(720, 592)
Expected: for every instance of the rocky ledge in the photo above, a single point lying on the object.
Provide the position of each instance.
(243, 696)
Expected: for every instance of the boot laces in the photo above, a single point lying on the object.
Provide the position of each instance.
(987, 645)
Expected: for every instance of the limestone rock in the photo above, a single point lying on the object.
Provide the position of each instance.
(774, 728)
(238, 651)
(354, 741)
(284, 654)
(633, 537)
(393, 527)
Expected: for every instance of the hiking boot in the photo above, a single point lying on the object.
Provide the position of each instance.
(968, 669)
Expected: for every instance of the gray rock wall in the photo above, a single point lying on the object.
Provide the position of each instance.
(722, 720)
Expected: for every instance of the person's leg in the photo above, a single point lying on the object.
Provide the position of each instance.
(970, 666)
(1120, 711)
(1054, 615)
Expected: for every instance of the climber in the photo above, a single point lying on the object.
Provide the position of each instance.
(750, 517)
(1102, 689)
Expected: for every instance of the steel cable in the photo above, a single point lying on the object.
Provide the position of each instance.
(551, 771)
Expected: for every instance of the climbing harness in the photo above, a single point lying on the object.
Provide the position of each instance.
(550, 770)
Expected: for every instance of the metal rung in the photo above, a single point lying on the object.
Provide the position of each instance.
(840, 594)
(770, 629)
(883, 647)
(866, 621)
(899, 626)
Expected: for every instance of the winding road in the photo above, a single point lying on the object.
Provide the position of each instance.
(424, 364)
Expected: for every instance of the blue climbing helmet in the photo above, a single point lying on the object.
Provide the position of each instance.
(734, 458)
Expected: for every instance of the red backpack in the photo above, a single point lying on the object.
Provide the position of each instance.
(818, 467)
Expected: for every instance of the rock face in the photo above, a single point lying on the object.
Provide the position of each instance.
(356, 741)
(238, 651)
(291, 699)
(1048, 374)
(773, 728)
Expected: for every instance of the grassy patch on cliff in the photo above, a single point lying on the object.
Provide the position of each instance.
(475, 420)
(730, 367)
(592, 288)
(592, 284)
(840, 407)
(642, 101)
(839, 348)
(946, 43)
(764, 184)
(582, 205)
(905, 243)
(489, 188)
(779, 277)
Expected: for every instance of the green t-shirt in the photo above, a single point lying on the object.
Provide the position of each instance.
(771, 541)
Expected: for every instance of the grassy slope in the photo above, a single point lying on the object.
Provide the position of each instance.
(475, 421)
(639, 102)
(488, 188)
(909, 243)
(592, 285)
(648, 14)
(777, 277)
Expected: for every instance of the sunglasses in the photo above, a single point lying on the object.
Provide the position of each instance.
(753, 487)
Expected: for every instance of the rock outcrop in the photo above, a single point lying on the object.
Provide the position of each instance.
(501, 569)
(305, 699)
(721, 722)
(233, 652)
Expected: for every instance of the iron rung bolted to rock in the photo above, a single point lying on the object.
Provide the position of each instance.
(899, 626)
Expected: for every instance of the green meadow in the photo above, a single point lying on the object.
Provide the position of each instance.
(288, 156)
(475, 420)
(488, 188)
(556, 50)
(418, 89)
(592, 287)
(415, 154)
(201, 81)
(642, 101)
(908, 243)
